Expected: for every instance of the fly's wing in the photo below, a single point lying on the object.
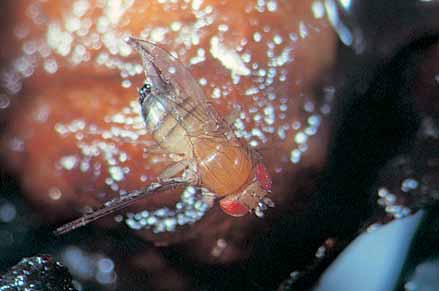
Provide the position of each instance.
(187, 98)
(115, 205)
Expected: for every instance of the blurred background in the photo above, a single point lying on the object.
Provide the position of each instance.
(338, 96)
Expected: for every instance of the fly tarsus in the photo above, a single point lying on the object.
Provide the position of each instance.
(116, 204)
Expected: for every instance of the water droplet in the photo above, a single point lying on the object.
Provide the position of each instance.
(68, 162)
(4, 101)
(7, 212)
(126, 83)
(55, 193)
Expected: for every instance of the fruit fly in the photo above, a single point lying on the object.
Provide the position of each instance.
(205, 151)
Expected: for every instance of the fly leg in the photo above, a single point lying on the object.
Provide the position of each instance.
(171, 174)
(208, 197)
(232, 116)
(116, 204)
(155, 149)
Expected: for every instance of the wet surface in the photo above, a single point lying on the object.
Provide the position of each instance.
(72, 136)
(37, 273)
(79, 140)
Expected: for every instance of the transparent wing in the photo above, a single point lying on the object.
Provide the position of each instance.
(187, 98)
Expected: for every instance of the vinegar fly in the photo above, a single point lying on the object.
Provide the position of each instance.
(205, 151)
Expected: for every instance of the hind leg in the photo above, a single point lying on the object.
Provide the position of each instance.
(188, 174)
(171, 173)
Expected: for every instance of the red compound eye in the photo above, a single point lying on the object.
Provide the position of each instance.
(233, 207)
(263, 177)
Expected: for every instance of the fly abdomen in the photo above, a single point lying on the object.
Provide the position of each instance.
(154, 111)
(168, 123)
(173, 105)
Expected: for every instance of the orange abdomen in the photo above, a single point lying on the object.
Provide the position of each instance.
(224, 167)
